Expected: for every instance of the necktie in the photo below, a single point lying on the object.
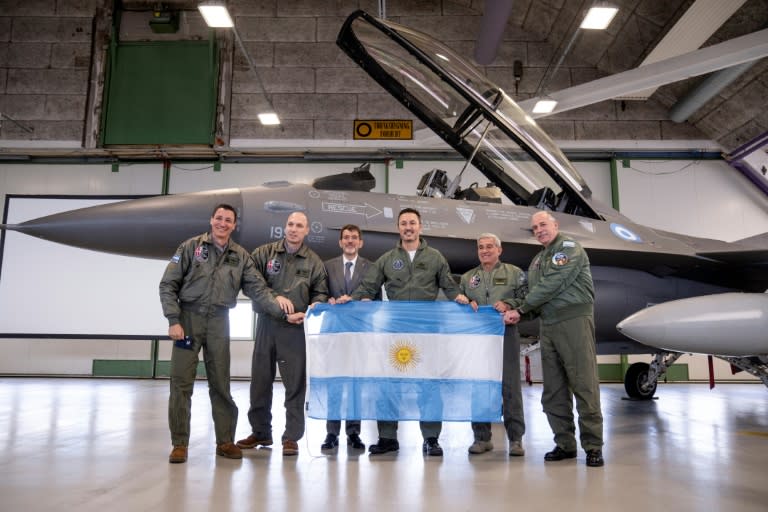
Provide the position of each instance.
(348, 277)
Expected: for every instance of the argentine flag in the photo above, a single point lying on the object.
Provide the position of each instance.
(397, 360)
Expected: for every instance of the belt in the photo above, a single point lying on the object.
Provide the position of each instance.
(204, 309)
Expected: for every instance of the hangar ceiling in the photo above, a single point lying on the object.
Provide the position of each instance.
(318, 92)
(734, 112)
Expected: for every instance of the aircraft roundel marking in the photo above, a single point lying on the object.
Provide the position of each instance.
(625, 233)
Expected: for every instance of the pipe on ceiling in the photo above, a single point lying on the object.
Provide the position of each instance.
(706, 90)
(492, 27)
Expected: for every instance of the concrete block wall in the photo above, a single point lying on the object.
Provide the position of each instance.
(47, 55)
(318, 91)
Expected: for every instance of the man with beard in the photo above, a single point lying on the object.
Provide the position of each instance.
(411, 271)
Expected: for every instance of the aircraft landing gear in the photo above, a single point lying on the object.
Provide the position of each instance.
(641, 378)
(755, 365)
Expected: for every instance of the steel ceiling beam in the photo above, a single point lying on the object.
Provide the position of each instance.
(706, 60)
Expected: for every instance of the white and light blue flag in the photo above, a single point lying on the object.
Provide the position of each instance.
(397, 360)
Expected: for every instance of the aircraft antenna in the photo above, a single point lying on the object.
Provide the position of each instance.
(451, 191)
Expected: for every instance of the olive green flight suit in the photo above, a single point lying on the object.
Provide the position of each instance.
(506, 283)
(299, 276)
(561, 293)
(199, 286)
(403, 279)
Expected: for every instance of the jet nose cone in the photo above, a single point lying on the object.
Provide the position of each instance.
(645, 326)
(724, 324)
(150, 227)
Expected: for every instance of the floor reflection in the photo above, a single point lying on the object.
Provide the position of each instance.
(88, 444)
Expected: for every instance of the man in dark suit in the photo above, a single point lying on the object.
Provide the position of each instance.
(345, 272)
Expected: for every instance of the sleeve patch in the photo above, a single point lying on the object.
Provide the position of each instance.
(560, 259)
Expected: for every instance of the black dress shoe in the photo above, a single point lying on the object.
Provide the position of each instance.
(331, 443)
(432, 447)
(384, 445)
(595, 458)
(559, 454)
(354, 442)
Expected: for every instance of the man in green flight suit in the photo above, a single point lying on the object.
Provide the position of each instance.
(503, 286)
(561, 293)
(199, 286)
(297, 278)
(410, 271)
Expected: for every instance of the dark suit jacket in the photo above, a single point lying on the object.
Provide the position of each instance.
(334, 267)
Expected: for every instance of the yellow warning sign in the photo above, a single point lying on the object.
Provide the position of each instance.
(383, 129)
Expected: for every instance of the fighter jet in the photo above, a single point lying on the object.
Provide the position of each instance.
(633, 266)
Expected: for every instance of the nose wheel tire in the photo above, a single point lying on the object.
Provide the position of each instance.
(636, 382)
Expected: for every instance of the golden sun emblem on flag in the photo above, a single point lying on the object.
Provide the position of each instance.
(404, 355)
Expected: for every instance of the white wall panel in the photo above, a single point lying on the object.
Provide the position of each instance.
(706, 198)
(598, 177)
(65, 357)
(49, 288)
(85, 179)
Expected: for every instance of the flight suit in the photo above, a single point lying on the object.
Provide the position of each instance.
(506, 283)
(403, 279)
(300, 277)
(199, 286)
(561, 293)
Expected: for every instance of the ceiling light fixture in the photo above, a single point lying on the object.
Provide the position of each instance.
(544, 106)
(216, 15)
(599, 17)
(269, 118)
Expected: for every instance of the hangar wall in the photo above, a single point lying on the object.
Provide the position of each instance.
(49, 49)
(702, 198)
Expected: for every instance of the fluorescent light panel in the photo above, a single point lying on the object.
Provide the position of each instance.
(269, 118)
(215, 15)
(544, 106)
(598, 18)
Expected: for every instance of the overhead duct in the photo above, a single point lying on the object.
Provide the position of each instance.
(698, 23)
(707, 90)
(492, 27)
(706, 60)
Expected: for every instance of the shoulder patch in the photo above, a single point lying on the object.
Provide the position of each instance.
(560, 259)
(176, 258)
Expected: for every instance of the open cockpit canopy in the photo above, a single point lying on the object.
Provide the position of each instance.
(469, 112)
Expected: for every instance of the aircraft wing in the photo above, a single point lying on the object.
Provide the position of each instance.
(739, 257)
(741, 253)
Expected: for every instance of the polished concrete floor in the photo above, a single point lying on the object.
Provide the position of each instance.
(102, 445)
